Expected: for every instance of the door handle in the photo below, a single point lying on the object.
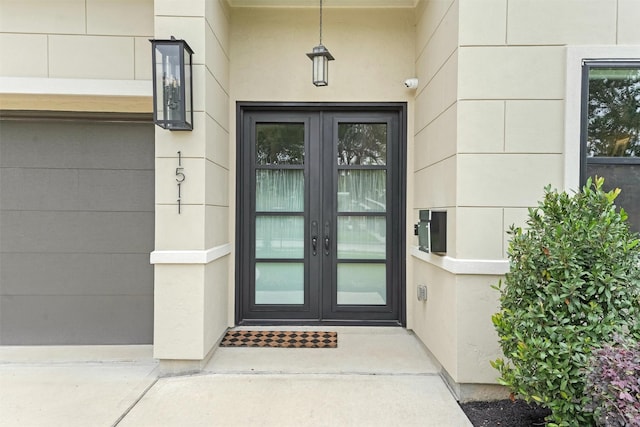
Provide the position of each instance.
(314, 237)
(327, 233)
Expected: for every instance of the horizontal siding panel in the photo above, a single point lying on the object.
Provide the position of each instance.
(76, 274)
(88, 146)
(78, 320)
(77, 189)
(76, 232)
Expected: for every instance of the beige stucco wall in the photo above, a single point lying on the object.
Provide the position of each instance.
(434, 171)
(98, 39)
(486, 133)
(259, 55)
(512, 66)
(374, 51)
(75, 40)
(488, 137)
(192, 279)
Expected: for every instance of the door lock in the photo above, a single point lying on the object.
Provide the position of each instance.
(314, 237)
(327, 233)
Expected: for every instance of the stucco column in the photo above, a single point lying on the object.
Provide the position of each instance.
(192, 244)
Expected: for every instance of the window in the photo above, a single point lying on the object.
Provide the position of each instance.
(610, 137)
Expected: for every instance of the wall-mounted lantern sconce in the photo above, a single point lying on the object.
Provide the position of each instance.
(320, 57)
(172, 84)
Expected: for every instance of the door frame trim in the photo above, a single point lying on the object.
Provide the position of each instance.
(250, 106)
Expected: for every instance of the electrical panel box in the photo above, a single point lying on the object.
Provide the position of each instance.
(432, 231)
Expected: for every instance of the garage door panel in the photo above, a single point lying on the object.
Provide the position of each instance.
(119, 190)
(66, 319)
(76, 232)
(77, 226)
(38, 189)
(73, 189)
(89, 145)
(76, 274)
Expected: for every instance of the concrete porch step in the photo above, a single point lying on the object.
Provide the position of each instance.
(361, 350)
(283, 400)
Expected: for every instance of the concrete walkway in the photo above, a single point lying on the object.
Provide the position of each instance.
(376, 377)
(57, 386)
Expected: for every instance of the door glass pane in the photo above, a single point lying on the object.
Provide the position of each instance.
(280, 190)
(362, 144)
(362, 284)
(362, 190)
(280, 143)
(362, 237)
(614, 112)
(279, 283)
(279, 237)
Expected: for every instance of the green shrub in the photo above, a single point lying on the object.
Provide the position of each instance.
(574, 282)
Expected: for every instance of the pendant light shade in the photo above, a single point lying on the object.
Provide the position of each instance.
(320, 57)
(320, 71)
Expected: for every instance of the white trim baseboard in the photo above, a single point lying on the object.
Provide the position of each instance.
(482, 267)
(190, 257)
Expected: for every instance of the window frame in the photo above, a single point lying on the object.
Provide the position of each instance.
(588, 65)
(575, 57)
(584, 160)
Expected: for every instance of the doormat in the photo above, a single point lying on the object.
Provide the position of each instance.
(282, 339)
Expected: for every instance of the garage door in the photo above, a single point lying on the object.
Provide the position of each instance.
(76, 230)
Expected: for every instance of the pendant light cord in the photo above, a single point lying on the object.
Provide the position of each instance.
(320, 22)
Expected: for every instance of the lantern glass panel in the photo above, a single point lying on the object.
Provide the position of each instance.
(173, 105)
(186, 89)
(320, 70)
(168, 84)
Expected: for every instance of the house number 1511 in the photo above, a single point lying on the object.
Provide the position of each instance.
(180, 177)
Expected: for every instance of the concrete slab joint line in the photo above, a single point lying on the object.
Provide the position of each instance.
(124, 414)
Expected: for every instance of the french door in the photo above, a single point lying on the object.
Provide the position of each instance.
(320, 214)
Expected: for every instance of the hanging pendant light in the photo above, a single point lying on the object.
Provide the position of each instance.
(320, 57)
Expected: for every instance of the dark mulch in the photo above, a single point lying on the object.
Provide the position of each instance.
(504, 413)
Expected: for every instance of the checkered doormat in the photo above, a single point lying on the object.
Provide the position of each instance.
(286, 339)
